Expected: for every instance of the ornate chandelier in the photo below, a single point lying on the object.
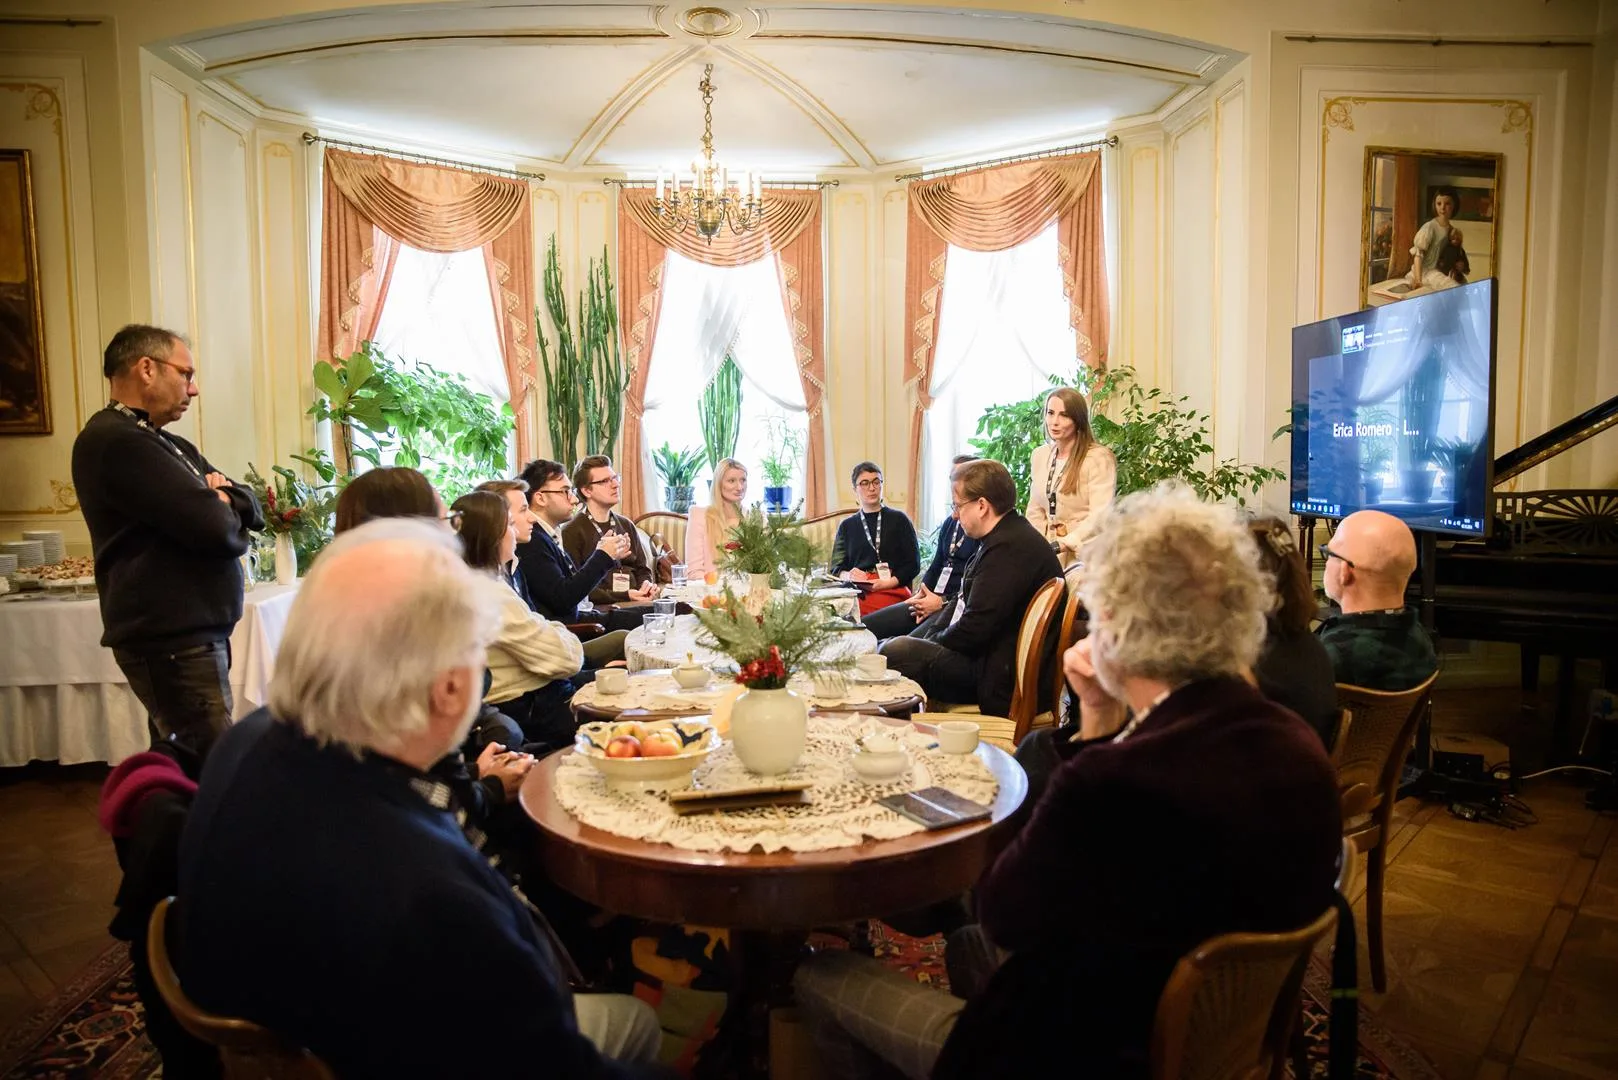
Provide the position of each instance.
(709, 197)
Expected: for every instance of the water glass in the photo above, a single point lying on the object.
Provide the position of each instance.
(663, 606)
(657, 628)
(677, 574)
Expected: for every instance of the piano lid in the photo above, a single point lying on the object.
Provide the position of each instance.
(1562, 437)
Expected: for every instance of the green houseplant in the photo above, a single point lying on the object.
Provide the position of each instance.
(720, 411)
(584, 387)
(1154, 435)
(783, 446)
(678, 468)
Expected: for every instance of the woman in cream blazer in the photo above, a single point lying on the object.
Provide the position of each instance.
(1072, 477)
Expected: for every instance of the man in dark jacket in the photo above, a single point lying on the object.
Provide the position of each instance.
(1374, 640)
(1205, 809)
(168, 530)
(966, 653)
(327, 891)
(952, 551)
(558, 587)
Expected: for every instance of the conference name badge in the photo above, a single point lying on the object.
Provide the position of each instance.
(620, 582)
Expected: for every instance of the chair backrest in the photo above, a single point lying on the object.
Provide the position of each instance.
(1229, 1006)
(245, 1049)
(1370, 754)
(1031, 638)
(1072, 629)
(822, 531)
(671, 527)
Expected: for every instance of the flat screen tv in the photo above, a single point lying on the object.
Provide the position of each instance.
(1393, 410)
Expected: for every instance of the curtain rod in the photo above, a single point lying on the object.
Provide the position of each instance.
(44, 20)
(310, 138)
(1434, 42)
(1093, 144)
(801, 185)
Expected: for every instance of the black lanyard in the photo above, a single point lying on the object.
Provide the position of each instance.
(876, 544)
(955, 542)
(146, 425)
(1050, 481)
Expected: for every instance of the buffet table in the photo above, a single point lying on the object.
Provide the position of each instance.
(62, 697)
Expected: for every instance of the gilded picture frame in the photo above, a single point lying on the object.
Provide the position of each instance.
(1400, 226)
(25, 406)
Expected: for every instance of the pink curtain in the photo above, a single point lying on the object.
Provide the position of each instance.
(803, 292)
(356, 267)
(509, 259)
(991, 210)
(640, 282)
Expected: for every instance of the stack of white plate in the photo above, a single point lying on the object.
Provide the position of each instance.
(30, 553)
(55, 550)
(8, 567)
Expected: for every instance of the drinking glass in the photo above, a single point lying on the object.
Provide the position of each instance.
(663, 606)
(657, 628)
(677, 574)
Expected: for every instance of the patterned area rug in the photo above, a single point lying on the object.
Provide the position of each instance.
(94, 1028)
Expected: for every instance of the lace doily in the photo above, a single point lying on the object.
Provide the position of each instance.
(842, 811)
(658, 691)
(682, 639)
(844, 601)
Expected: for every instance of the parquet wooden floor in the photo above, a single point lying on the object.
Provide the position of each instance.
(1502, 946)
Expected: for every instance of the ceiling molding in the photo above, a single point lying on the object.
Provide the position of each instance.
(599, 130)
(386, 43)
(812, 107)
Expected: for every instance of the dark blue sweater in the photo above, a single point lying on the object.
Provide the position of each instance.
(323, 897)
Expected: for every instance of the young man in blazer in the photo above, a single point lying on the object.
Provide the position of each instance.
(557, 586)
(966, 653)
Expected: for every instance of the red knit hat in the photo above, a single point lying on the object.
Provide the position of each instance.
(131, 781)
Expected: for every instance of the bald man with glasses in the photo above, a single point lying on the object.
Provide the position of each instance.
(1376, 641)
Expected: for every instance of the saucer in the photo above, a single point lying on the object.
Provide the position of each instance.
(887, 676)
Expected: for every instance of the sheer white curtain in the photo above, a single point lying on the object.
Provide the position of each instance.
(438, 311)
(705, 311)
(1002, 333)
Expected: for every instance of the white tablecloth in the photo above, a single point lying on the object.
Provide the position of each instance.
(62, 697)
(642, 654)
(653, 689)
(844, 601)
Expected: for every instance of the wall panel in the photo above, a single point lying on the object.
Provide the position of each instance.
(226, 320)
(1190, 238)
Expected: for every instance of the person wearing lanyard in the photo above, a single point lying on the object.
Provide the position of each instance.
(1072, 477)
(630, 581)
(168, 531)
(939, 584)
(877, 545)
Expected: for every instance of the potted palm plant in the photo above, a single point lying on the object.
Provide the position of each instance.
(678, 468)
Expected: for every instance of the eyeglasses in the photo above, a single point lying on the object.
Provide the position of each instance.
(613, 479)
(955, 507)
(876, 483)
(190, 373)
(1328, 554)
(556, 491)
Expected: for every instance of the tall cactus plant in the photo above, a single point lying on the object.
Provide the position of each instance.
(720, 411)
(584, 389)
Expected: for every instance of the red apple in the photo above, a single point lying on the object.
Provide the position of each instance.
(660, 744)
(624, 746)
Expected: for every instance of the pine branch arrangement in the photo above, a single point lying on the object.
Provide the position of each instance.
(791, 634)
(763, 543)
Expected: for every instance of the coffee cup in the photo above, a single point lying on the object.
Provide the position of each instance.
(612, 681)
(957, 736)
(871, 665)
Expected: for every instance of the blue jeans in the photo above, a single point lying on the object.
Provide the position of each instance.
(186, 692)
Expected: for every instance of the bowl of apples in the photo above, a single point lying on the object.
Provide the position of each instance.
(647, 755)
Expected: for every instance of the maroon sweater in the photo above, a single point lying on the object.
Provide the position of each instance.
(1218, 814)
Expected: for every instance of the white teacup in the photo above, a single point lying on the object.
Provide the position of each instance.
(957, 736)
(829, 684)
(871, 665)
(612, 681)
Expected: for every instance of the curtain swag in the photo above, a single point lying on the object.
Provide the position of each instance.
(786, 214)
(429, 207)
(999, 208)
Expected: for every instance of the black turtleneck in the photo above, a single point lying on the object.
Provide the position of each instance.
(855, 550)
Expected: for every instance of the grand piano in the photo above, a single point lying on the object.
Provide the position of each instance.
(1547, 576)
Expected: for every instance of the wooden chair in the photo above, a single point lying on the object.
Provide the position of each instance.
(1370, 756)
(1229, 1007)
(1073, 628)
(1006, 732)
(247, 1051)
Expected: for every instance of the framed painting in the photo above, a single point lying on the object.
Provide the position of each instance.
(1429, 221)
(24, 395)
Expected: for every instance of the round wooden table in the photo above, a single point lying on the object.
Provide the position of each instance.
(770, 901)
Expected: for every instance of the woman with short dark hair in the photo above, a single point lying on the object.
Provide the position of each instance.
(1294, 668)
(392, 491)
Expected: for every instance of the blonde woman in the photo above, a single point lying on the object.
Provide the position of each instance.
(1072, 477)
(705, 535)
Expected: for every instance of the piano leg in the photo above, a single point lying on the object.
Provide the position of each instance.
(1567, 668)
(1530, 683)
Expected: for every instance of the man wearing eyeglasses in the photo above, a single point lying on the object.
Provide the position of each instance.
(630, 580)
(168, 531)
(1376, 641)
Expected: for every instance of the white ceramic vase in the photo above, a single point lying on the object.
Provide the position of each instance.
(758, 594)
(286, 560)
(768, 728)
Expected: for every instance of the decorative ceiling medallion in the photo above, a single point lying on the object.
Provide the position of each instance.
(709, 22)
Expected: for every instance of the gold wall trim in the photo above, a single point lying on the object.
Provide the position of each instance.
(560, 37)
(1174, 74)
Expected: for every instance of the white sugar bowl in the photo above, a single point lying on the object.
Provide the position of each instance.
(878, 758)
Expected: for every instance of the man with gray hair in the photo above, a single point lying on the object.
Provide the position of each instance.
(327, 891)
(1198, 809)
(168, 530)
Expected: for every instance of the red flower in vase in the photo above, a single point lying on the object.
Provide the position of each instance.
(731, 545)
